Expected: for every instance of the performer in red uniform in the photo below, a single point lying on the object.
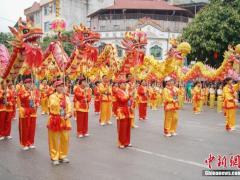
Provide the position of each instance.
(2, 108)
(44, 97)
(131, 88)
(82, 98)
(142, 98)
(97, 95)
(27, 115)
(114, 101)
(123, 115)
(10, 109)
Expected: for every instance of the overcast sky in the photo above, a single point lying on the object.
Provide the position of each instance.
(11, 10)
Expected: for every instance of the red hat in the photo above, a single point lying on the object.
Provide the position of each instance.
(81, 80)
(28, 80)
(57, 83)
(121, 79)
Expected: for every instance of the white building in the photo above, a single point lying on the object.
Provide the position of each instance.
(160, 20)
(186, 1)
(42, 13)
(112, 18)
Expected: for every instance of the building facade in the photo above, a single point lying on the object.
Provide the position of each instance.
(161, 20)
(186, 1)
(73, 11)
(192, 5)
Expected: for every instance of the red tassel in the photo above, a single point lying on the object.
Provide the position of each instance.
(215, 55)
(94, 54)
(34, 56)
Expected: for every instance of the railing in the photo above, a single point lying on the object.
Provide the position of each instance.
(131, 24)
(143, 15)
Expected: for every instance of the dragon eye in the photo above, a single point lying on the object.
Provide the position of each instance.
(25, 31)
(85, 35)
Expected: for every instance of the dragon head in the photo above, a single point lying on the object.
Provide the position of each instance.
(134, 44)
(83, 36)
(25, 33)
(178, 50)
(135, 41)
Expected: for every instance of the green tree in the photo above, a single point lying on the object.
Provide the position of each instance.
(5, 38)
(66, 36)
(215, 27)
(47, 40)
(67, 45)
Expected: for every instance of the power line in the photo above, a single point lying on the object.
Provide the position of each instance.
(6, 19)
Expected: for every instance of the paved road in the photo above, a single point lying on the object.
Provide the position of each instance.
(152, 156)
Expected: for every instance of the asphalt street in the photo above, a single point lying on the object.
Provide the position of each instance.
(152, 156)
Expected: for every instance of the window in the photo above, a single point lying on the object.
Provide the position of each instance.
(54, 7)
(119, 51)
(37, 18)
(116, 27)
(47, 26)
(48, 9)
(156, 51)
(101, 47)
(31, 18)
(45, 10)
(128, 28)
(102, 28)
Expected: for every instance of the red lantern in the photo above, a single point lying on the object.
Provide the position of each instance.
(215, 55)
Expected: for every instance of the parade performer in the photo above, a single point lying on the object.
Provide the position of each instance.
(212, 97)
(230, 104)
(59, 125)
(27, 115)
(152, 97)
(189, 91)
(205, 95)
(202, 97)
(142, 100)
(170, 99)
(197, 97)
(44, 97)
(114, 101)
(49, 92)
(2, 109)
(10, 110)
(131, 90)
(181, 96)
(219, 99)
(159, 96)
(123, 115)
(97, 94)
(106, 101)
(82, 98)
(19, 87)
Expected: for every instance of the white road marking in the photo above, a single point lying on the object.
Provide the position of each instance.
(217, 128)
(170, 158)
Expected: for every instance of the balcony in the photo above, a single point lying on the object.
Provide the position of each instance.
(143, 15)
(128, 22)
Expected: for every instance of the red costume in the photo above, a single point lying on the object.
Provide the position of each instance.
(27, 117)
(50, 91)
(114, 100)
(123, 117)
(97, 95)
(82, 97)
(10, 110)
(142, 98)
(2, 112)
